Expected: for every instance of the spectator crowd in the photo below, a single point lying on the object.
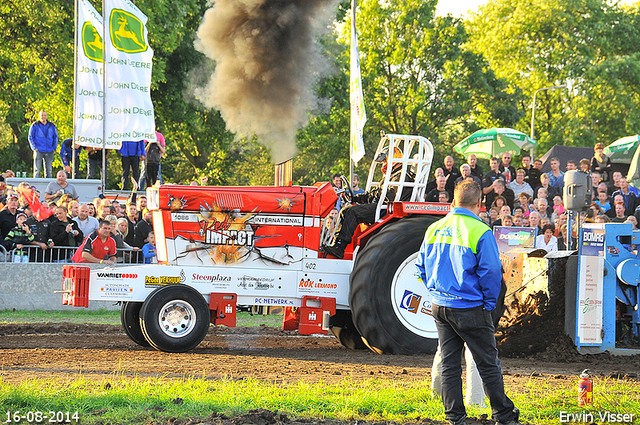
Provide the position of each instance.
(524, 196)
(53, 227)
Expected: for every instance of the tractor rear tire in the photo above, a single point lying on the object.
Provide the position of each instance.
(175, 318)
(130, 318)
(383, 281)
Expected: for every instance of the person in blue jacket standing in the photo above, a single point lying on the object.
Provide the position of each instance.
(460, 266)
(132, 153)
(43, 139)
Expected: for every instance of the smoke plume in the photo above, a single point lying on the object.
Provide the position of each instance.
(267, 62)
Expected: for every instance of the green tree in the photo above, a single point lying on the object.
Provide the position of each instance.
(590, 44)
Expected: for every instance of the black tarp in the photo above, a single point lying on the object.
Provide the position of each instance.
(576, 153)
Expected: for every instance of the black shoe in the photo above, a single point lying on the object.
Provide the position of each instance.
(337, 249)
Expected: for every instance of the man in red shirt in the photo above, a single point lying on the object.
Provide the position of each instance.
(100, 246)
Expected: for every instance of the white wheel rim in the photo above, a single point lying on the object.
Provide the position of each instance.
(411, 300)
(177, 318)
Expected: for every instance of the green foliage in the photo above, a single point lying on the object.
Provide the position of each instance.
(590, 44)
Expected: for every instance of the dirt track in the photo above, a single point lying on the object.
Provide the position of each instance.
(97, 351)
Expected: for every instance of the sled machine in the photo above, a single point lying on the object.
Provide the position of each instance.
(223, 247)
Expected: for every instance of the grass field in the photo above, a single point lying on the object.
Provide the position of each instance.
(120, 400)
(123, 400)
(110, 317)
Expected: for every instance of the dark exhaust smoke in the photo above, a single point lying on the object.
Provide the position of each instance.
(267, 62)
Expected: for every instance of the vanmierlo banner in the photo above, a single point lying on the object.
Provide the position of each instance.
(128, 110)
(89, 96)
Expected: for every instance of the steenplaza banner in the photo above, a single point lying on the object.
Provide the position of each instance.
(89, 96)
(128, 60)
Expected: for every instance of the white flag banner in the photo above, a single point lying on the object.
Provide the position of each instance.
(88, 99)
(128, 109)
(358, 113)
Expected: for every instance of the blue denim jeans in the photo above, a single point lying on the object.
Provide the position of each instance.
(38, 159)
(473, 326)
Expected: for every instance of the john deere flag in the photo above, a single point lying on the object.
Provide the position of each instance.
(89, 69)
(358, 114)
(128, 58)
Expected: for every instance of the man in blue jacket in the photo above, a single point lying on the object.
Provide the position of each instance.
(132, 153)
(460, 266)
(43, 138)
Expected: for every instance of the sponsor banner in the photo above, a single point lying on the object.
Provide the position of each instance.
(273, 301)
(356, 99)
(210, 278)
(414, 303)
(156, 281)
(111, 275)
(277, 220)
(510, 237)
(592, 241)
(247, 282)
(590, 297)
(421, 207)
(89, 95)
(128, 112)
(116, 290)
(185, 217)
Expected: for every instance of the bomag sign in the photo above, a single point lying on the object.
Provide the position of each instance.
(91, 42)
(127, 32)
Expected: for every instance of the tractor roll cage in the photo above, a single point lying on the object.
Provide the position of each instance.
(417, 153)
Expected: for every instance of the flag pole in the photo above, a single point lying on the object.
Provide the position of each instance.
(353, 17)
(75, 89)
(104, 98)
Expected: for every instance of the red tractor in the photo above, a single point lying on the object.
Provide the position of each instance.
(220, 247)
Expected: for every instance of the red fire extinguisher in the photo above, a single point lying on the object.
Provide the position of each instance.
(585, 388)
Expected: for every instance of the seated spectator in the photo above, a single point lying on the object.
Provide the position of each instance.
(603, 202)
(494, 215)
(86, 223)
(99, 246)
(523, 202)
(556, 178)
(534, 221)
(546, 240)
(563, 239)
(64, 231)
(596, 210)
(8, 216)
(484, 216)
(507, 220)
(544, 221)
(602, 219)
(601, 162)
(629, 196)
(18, 237)
(500, 189)
(432, 183)
(542, 206)
(434, 194)
(499, 202)
(571, 165)
(618, 199)
(517, 220)
(149, 249)
(465, 171)
(633, 220)
(142, 229)
(56, 189)
(519, 185)
(544, 184)
(585, 165)
(558, 206)
(620, 216)
(122, 229)
(614, 184)
(443, 197)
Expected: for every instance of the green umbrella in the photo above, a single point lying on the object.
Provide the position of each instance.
(622, 150)
(494, 142)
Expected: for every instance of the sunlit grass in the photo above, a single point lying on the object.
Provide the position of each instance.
(110, 317)
(122, 400)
